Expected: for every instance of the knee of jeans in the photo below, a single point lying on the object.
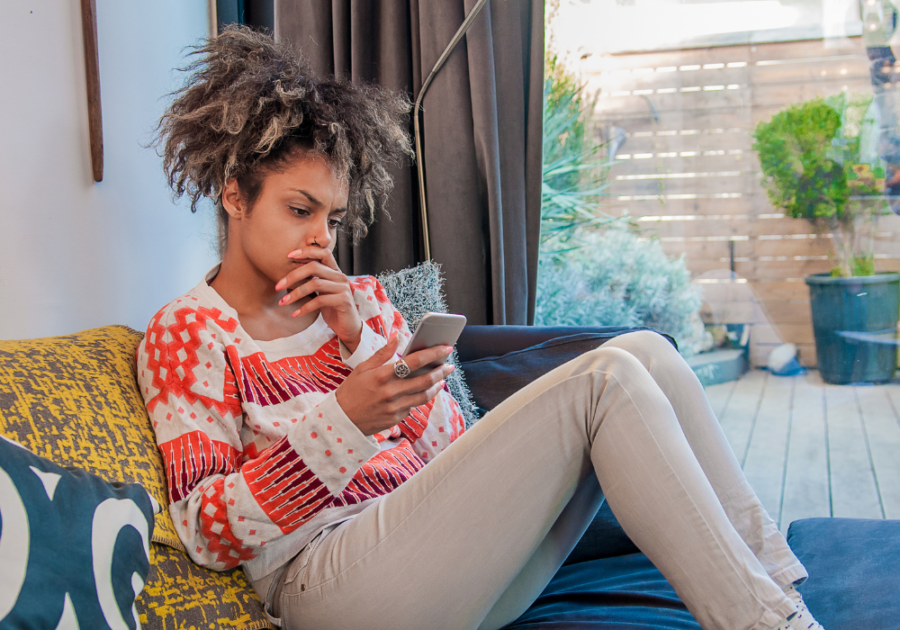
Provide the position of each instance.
(619, 361)
(646, 345)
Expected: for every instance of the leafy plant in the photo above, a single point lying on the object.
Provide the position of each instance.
(817, 165)
(618, 279)
(574, 171)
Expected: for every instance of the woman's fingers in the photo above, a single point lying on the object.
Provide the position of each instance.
(316, 253)
(374, 398)
(321, 301)
(419, 384)
(409, 401)
(316, 285)
(310, 270)
(421, 358)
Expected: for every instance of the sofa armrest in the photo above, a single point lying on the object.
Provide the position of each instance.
(479, 342)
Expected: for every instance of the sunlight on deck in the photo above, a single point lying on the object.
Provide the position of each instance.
(813, 449)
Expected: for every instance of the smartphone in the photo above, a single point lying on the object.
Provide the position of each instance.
(435, 329)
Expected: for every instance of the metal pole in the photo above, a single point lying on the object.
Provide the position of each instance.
(437, 66)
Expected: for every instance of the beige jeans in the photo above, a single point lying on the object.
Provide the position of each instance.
(472, 540)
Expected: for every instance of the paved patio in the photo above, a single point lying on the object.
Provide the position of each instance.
(813, 449)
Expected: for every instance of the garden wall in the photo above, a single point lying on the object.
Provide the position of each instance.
(687, 171)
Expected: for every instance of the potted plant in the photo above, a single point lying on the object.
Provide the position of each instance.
(819, 162)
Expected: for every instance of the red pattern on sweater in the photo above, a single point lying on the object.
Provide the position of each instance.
(267, 382)
(171, 345)
(229, 550)
(285, 488)
(193, 457)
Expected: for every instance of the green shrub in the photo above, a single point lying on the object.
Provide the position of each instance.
(816, 166)
(618, 279)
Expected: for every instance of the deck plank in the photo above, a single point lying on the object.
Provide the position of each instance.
(883, 435)
(806, 488)
(893, 392)
(738, 418)
(853, 490)
(765, 462)
(719, 396)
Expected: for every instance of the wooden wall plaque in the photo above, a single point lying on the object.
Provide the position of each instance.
(92, 72)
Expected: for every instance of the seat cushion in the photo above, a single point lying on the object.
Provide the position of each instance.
(854, 571)
(622, 593)
(853, 564)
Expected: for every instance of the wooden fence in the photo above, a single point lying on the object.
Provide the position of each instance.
(688, 172)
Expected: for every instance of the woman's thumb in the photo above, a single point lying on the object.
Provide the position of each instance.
(383, 354)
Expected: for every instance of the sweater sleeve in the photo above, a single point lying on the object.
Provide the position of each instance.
(227, 502)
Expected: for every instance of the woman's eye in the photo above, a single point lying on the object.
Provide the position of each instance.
(300, 212)
(336, 223)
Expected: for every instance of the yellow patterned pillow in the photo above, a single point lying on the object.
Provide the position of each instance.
(74, 400)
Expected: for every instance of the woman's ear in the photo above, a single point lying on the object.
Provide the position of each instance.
(232, 200)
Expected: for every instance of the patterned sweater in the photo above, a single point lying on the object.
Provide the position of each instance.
(259, 455)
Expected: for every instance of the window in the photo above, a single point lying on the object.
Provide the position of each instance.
(719, 124)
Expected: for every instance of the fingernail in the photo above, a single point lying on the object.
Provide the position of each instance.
(282, 300)
(280, 285)
(293, 253)
(295, 313)
(448, 350)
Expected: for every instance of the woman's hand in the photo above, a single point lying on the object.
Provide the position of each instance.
(335, 296)
(375, 399)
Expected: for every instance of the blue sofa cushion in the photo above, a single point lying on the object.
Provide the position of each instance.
(854, 568)
(854, 571)
(622, 593)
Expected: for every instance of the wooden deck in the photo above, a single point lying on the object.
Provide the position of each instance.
(813, 449)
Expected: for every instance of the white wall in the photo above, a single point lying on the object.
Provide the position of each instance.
(75, 254)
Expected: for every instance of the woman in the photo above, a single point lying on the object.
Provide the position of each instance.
(351, 496)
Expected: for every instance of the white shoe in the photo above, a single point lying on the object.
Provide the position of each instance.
(802, 619)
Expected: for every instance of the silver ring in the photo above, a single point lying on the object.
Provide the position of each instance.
(401, 370)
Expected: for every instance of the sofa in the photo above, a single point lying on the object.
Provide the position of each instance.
(73, 400)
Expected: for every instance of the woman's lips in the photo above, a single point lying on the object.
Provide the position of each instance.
(301, 261)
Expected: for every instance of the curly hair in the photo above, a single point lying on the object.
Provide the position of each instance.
(251, 104)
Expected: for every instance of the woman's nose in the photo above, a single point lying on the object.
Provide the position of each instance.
(321, 235)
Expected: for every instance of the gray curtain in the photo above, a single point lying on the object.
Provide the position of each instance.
(482, 137)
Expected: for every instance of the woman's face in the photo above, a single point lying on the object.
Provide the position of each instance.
(299, 206)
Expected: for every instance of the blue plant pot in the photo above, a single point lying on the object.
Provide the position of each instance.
(855, 326)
